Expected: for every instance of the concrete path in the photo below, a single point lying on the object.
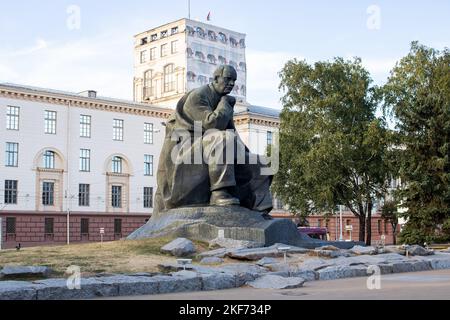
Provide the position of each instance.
(405, 286)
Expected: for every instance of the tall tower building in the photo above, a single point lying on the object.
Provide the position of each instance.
(177, 57)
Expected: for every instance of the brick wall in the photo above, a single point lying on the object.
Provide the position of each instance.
(30, 228)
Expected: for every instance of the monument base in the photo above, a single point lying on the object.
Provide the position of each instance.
(233, 222)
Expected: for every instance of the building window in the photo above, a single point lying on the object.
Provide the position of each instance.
(212, 59)
(148, 165)
(84, 228)
(148, 133)
(49, 159)
(116, 196)
(10, 192)
(85, 160)
(83, 195)
(153, 37)
(380, 231)
(269, 138)
(191, 76)
(200, 56)
(152, 54)
(118, 226)
(48, 193)
(174, 47)
(200, 33)
(243, 90)
(222, 60)
(233, 42)
(148, 197)
(243, 66)
(319, 223)
(49, 226)
(148, 84)
(12, 154)
(164, 34)
(12, 118)
(85, 126)
(222, 37)
(169, 78)
(174, 30)
(144, 56)
(10, 225)
(386, 230)
(50, 122)
(212, 35)
(164, 50)
(242, 43)
(190, 31)
(116, 165)
(189, 53)
(118, 130)
(144, 41)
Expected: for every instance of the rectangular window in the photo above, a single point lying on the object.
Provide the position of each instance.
(117, 226)
(48, 193)
(12, 118)
(49, 226)
(85, 160)
(153, 37)
(50, 122)
(116, 165)
(83, 195)
(164, 50)
(148, 133)
(10, 225)
(164, 34)
(84, 228)
(269, 138)
(148, 165)
(152, 54)
(174, 30)
(386, 230)
(10, 192)
(144, 56)
(12, 154)
(49, 159)
(174, 47)
(380, 231)
(85, 126)
(118, 130)
(116, 197)
(148, 197)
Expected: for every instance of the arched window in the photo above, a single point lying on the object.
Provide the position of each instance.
(212, 35)
(243, 90)
(49, 160)
(212, 59)
(233, 42)
(200, 56)
(223, 38)
(189, 52)
(190, 31)
(200, 33)
(191, 76)
(222, 60)
(116, 165)
(243, 66)
(202, 80)
(169, 78)
(148, 84)
(242, 43)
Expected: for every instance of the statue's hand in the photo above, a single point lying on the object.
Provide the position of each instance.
(230, 100)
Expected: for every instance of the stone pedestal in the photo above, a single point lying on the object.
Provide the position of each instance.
(234, 222)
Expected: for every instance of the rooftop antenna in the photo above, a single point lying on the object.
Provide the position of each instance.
(189, 9)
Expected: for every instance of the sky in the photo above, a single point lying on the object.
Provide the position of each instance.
(42, 43)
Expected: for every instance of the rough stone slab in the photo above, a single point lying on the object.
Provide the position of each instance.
(211, 261)
(328, 247)
(180, 247)
(18, 290)
(276, 282)
(259, 253)
(243, 272)
(316, 264)
(339, 272)
(266, 260)
(219, 253)
(24, 271)
(218, 281)
(173, 267)
(360, 250)
(308, 275)
(178, 283)
(235, 244)
(56, 289)
(416, 250)
(133, 285)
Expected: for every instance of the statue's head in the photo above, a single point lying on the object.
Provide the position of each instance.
(224, 79)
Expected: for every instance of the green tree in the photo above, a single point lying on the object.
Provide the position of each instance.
(417, 94)
(389, 212)
(332, 146)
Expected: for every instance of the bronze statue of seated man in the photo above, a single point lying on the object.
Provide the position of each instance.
(201, 163)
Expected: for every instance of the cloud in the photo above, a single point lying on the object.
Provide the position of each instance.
(262, 76)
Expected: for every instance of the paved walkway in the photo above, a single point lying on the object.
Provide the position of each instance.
(405, 286)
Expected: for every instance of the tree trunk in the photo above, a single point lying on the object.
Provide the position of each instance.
(369, 222)
(362, 227)
(394, 231)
